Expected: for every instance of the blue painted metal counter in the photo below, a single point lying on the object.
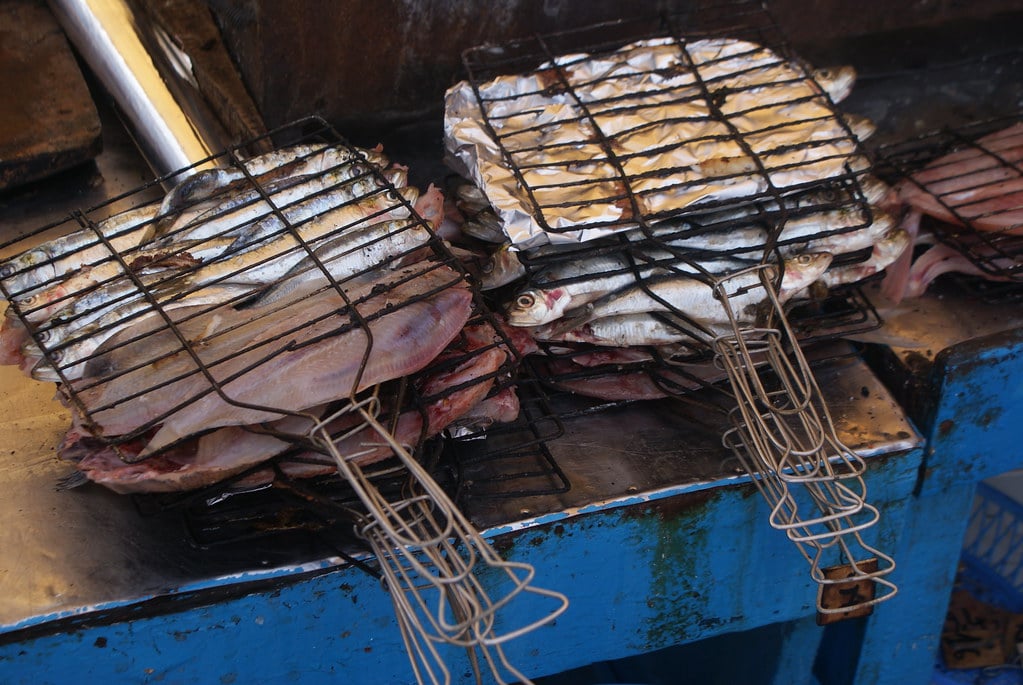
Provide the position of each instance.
(963, 387)
(660, 542)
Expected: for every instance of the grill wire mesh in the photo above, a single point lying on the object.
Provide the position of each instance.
(784, 438)
(146, 261)
(963, 193)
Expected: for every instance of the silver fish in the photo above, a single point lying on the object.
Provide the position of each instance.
(353, 252)
(696, 300)
(54, 259)
(834, 230)
(222, 214)
(347, 192)
(836, 81)
(94, 285)
(886, 250)
(626, 330)
(272, 259)
(485, 226)
(574, 283)
(502, 267)
(72, 353)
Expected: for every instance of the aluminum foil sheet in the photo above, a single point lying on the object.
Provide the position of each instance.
(587, 145)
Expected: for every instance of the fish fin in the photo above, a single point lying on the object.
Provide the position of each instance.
(571, 320)
(75, 479)
(896, 279)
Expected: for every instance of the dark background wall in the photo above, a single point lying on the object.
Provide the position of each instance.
(366, 63)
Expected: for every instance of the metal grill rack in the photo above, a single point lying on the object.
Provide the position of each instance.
(992, 166)
(510, 460)
(588, 194)
(598, 163)
(263, 258)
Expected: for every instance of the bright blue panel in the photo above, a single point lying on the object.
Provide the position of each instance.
(640, 577)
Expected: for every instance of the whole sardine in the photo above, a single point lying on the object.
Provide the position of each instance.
(502, 267)
(695, 300)
(352, 252)
(221, 215)
(627, 330)
(272, 259)
(93, 286)
(72, 352)
(886, 250)
(574, 283)
(54, 259)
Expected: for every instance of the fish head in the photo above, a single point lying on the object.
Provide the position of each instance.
(802, 270)
(837, 82)
(891, 245)
(862, 127)
(27, 270)
(534, 306)
(501, 268)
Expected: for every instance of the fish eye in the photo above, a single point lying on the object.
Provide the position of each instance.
(488, 267)
(525, 301)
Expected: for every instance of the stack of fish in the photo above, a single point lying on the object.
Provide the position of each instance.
(975, 195)
(628, 195)
(661, 288)
(586, 145)
(192, 337)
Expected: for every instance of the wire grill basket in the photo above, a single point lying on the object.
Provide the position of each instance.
(292, 301)
(967, 182)
(656, 152)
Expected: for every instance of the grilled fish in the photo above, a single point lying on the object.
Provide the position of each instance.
(575, 283)
(695, 299)
(315, 339)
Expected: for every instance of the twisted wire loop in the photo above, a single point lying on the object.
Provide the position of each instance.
(783, 435)
(446, 583)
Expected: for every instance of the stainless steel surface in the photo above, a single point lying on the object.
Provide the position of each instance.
(149, 77)
(917, 330)
(67, 552)
(672, 447)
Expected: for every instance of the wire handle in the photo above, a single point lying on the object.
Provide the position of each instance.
(433, 563)
(786, 440)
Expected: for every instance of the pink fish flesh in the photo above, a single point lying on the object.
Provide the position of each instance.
(310, 345)
(981, 185)
(942, 259)
(231, 450)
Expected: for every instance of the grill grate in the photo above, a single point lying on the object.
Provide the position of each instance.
(963, 196)
(558, 128)
(338, 326)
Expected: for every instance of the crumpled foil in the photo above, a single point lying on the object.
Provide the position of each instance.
(680, 125)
